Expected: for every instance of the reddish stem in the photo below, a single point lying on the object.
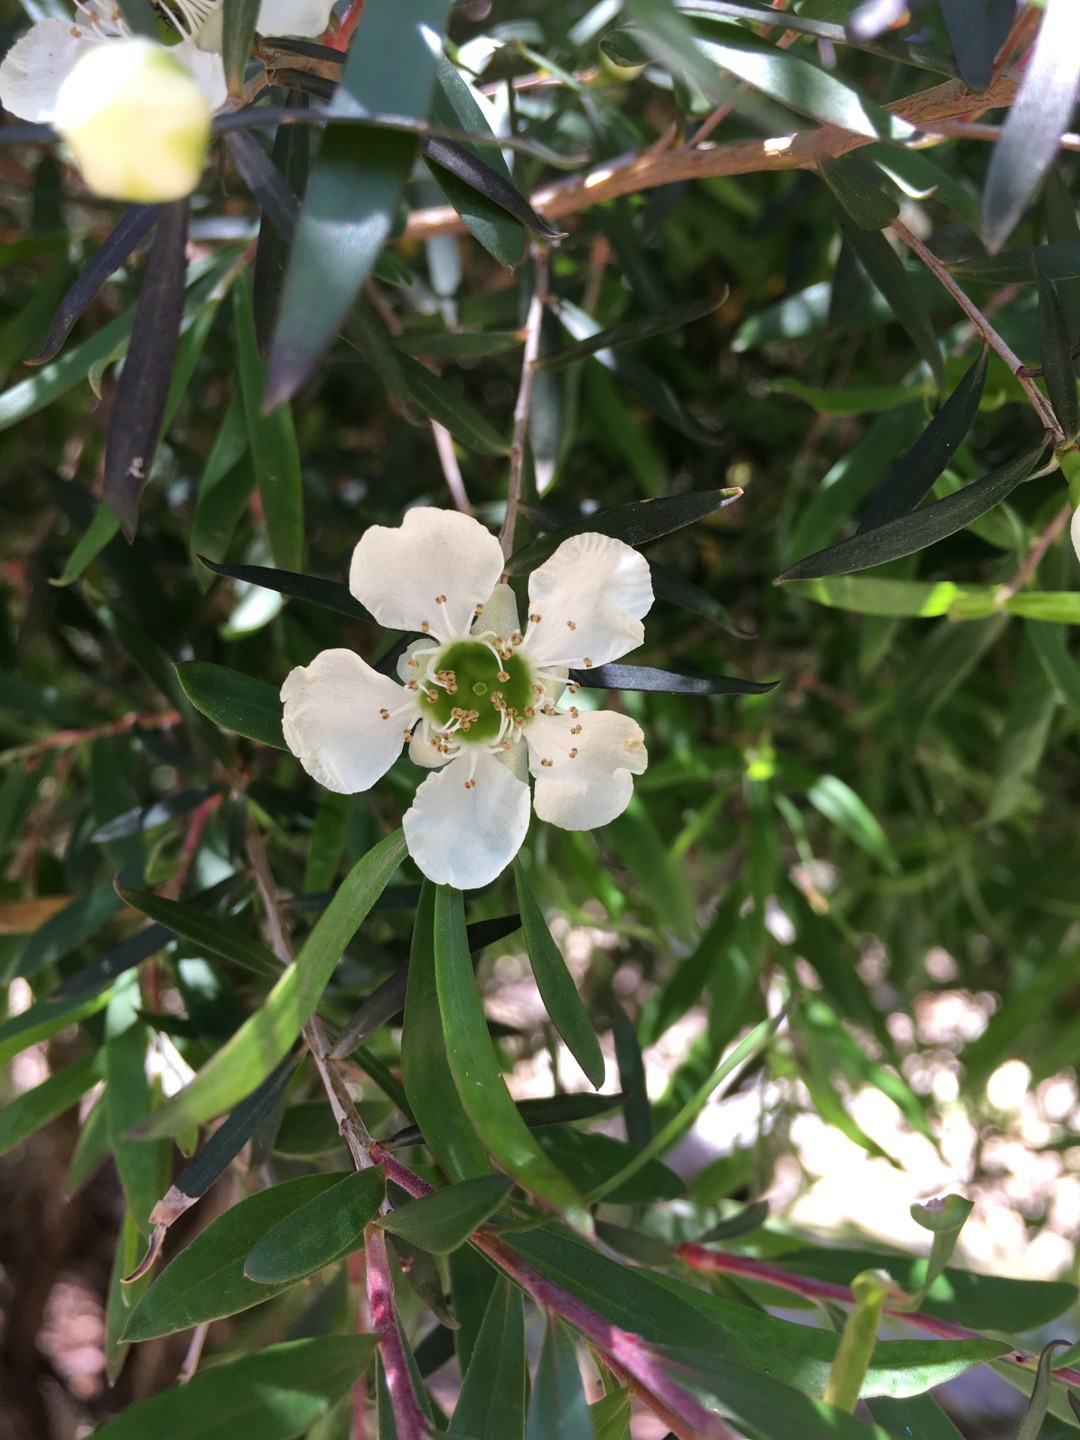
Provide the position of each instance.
(408, 1417)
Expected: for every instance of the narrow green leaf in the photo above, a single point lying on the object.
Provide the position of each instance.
(886, 270)
(323, 1230)
(356, 186)
(914, 473)
(1049, 644)
(840, 805)
(238, 19)
(1039, 1403)
(491, 1405)
(246, 1059)
(429, 1084)
(44, 1019)
(28, 1112)
(666, 682)
(62, 932)
(868, 205)
(103, 528)
(272, 438)
(1020, 748)
(971, 37)
(206, 1281)
(1036, 121)
(637, 524)
(591, 1160)
(444, 1220)
(439, 400)
(476, 1072)
(1059, 261)
(329, 594)
(917, 1418)
(454, 107)
(277, 1394)
(1055, 351)
(556, 985)
(234, 701)
(910, 533)
(630, 332)
(142, 1164)
(211, 934)
(558, 1408)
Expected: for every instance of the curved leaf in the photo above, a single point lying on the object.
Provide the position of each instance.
(330, 594)
(1055, 351)
(234, 701)
(321, 1231)
(440, 1222)
(644, 677)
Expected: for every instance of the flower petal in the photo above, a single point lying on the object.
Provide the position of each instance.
(586, 603)
(38, 64)
(500, 615)
(340, 720)
(1074, 531)
(465, 835)
(429, 574)
(584, 766)
(208, 69)
(294, 17)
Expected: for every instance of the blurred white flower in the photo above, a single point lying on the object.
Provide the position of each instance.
(35, 71)
(479, 697)
(1074, 531)
(136, 121)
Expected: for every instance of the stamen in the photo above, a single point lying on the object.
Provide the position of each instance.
(571, 624)
(587, 663)
(535, 618)
(547, 764)
(516, 638)
(470, 784)
(425, 626)
(440, 599)
(574, 686)
(574, 711)
(503, 675)
(385, 713)
(573, 753)
(575, 729)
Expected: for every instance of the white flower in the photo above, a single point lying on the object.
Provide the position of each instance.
(136, 121)
(479, 697)
(1074, 531)
(36, 66)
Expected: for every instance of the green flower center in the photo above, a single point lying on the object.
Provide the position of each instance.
(470, 688)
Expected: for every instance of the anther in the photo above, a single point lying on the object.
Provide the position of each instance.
(385, 714)
(516, 638)
(478, 609)
(424, 626)
(440, 599)
(574, 687)
(407, 734)
(535, 618)
(76, 32)
(571, 624)
(574, 711)
(573, 753)
(470, 784)
(547, 764)
(537, 689)
(503, 675)
(575, 729)
(587, 663)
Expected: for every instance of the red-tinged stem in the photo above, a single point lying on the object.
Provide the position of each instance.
(630, 1353)
(408, 1417)
(703, 1260)
(358, 1429)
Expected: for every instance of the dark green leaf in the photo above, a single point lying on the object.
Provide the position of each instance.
(1055, 351)
(142, 1164)
(591, 1160)
(277, 1394)
(637, 524)
(439, 400)
(229, 1138)
(330, 594)
(32, 1109)
(868, 205)
(356, 185)
(917, 1418)
(234, 701)
(248, 1056)
(629, 332)
(915, 472)
(749, 1218)
(491, 1405)
(238, 19)
(1035, 1414)
(1060, 261)
(563, 1109)
(644, 677)
(886, 270)
(282, 178)
(61, 933)
(452, 161)
(208, 932)
(1034, 125)
(476, 1071)
(145, 817)
(132, 226)
(139, 407)
(972, 40)
(558, 1408)
(444, 1220)
(910, 533)
(323, 1230)
(206, 1280)
(555, 983)
(272, 437)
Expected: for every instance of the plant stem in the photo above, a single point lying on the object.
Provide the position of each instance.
(520, 436)
(1038, 401)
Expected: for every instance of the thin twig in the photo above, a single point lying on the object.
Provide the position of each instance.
(977, 130)
(194, 1353)
(1038, 550)
(524, 398)
(444, 447)
(1039, 403)
(66, 739)
(801, 150)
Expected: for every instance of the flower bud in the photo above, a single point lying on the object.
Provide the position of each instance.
(136, 120)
